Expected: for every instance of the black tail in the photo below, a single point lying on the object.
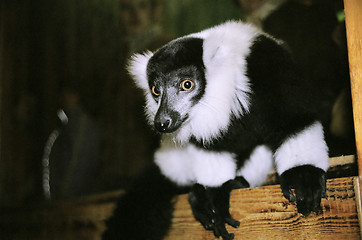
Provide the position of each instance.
(145, 211)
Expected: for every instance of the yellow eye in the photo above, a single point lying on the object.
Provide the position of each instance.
(155, 91)
(187, 85)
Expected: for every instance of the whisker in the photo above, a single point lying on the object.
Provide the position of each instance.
(217, 98)
(209, 106)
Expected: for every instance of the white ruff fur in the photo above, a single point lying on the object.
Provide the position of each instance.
(306, 147)
(258, 166)
(137, 67)
(187, 164)
(225, 49)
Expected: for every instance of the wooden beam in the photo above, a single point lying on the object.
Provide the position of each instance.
(353, 12)
(265, 214)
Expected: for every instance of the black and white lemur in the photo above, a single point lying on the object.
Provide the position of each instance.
(230, 105)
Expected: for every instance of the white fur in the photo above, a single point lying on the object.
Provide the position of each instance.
(137, 67)
(257, 167)
(187, 164)
(225, 50)
(306, 147)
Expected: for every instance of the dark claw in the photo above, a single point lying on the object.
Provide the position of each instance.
(232, 222)
(231, 236)
(228, 236)
(217, 232)
(303, 209)
(288, 194)
(209, 226)
(220, 230)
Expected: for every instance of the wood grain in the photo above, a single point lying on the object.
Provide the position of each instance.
(353, 12)
(265, 214)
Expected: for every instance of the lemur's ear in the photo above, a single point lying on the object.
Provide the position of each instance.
(213, 52)
(137, 67)
(222, 44)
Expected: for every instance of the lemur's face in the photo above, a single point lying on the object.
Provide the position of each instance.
(176, 81)
(175, 93)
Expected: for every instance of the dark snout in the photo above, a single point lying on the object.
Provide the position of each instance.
(167, 121)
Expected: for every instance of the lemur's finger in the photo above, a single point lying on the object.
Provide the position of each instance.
(232, 222)
(220, 230)
(288, 194)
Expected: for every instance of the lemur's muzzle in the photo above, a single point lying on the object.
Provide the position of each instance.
(167, 121)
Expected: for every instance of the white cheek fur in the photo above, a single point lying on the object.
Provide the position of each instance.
(227, 87)
(137, 67)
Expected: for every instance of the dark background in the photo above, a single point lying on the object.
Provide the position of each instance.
(71, 55)
(47, 46)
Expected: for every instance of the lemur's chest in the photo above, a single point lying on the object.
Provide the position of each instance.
(188, 164)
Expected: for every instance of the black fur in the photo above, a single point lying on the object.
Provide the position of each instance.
(211, 206)
(182, 58)
(309, 183)
(281, 105)
(178, 61)
(145, 211)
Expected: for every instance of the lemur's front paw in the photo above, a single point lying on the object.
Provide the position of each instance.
(309, 183)
(211, 207)
(202, 206)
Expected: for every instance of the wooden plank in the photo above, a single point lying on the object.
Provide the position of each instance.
(265, 214)
(353, 12)
(357, 190)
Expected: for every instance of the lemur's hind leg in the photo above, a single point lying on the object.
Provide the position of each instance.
(145, 210)
(210, 206)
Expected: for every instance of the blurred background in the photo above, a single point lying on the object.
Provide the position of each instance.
(71, 119)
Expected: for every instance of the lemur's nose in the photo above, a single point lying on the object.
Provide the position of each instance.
(163, 123)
